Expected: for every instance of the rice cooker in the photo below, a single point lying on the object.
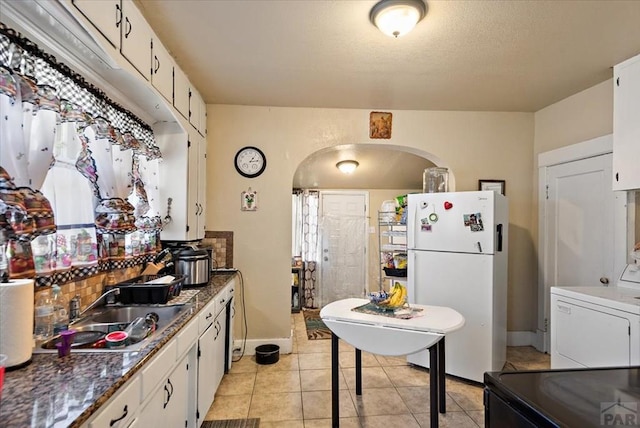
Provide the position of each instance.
(195, 265)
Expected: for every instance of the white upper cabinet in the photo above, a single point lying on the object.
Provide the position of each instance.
(626, 125)
(181, 92)
(105, 15)
(136, 39)
(162, 65)
(197, 112)
(123, 25)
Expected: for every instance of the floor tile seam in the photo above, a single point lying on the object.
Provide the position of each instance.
(471, 417)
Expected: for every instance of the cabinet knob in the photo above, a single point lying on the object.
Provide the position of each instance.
(604, 280)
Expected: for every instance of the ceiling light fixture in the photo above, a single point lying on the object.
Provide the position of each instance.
(396, 18)
(347, 166)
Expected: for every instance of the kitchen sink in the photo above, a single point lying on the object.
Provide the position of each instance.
(126, 314)
(97, 323)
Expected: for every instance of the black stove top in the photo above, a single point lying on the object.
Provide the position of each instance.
(572, 398)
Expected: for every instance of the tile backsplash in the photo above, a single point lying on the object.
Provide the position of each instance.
(222, 244)
(90, 288)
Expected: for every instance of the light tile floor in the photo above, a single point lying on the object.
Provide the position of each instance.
(295, 392)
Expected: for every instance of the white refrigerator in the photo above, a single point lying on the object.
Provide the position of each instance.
(457, 257)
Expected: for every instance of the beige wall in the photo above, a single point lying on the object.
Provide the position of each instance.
(474, 145)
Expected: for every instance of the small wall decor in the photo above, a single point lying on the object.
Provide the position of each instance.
(249, 200)
(495, 185)
(380, 125)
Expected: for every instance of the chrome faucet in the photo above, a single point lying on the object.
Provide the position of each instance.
(76, 316)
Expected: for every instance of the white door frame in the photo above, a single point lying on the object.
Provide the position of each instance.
(590, 148)
(365, 237)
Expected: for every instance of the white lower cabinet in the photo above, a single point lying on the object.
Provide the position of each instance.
(177, 386)
(211, 363)
(169, 404)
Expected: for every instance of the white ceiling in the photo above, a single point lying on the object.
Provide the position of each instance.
(465, 55)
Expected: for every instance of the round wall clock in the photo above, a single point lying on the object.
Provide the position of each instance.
(250, 162)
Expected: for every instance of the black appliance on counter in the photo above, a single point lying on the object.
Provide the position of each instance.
(579, 398)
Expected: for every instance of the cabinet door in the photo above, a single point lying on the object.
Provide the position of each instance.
(626, 125)
(162, 69)
(197, 112)
(136, 39)
(168, 405)
(202, 187)
(194, 108)
(193, 203)
(203, 118)
(181, 92)
(206, 370)
(105, 15)
(220, 348)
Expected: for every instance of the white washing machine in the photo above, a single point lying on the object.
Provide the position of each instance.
(597, 326)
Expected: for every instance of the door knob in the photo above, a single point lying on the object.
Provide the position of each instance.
(604, 280)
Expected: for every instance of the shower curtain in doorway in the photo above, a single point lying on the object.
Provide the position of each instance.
(305, 205)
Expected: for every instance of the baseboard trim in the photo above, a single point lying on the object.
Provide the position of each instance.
(521, 338)
(285, 344)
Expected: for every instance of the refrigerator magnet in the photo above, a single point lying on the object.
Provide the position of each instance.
(474, 221)
(425, 227)
(433, 217)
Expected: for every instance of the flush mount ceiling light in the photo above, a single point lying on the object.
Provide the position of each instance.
(347, 166)
(396, 18)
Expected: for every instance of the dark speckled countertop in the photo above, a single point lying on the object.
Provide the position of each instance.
(65, 392)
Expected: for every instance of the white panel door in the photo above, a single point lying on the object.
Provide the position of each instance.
(579, 225)
(457, 222)
(343, 226)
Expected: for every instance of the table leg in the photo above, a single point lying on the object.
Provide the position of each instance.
(358, 372)
(442, 398)
(335, 391)
(433, 385)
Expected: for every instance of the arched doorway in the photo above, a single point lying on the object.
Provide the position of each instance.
(384, 171)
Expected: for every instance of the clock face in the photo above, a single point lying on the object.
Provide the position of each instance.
(250, 162)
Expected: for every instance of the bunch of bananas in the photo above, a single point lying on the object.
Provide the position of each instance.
(397, 296)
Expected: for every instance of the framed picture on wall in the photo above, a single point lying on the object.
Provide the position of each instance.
(380, 124)
(495, 185)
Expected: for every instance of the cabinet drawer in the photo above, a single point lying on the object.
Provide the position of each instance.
(160, 365)
(222, 299)
(187, 337)
(207, 315)
(231, 289)
(118, 412)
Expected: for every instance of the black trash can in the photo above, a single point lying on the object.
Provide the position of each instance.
(267, 354)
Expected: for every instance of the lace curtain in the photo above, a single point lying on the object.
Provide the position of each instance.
(305, 204)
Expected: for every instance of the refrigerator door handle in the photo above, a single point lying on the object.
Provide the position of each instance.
(499, 237)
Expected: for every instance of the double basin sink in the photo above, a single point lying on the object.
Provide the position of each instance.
(97, 323)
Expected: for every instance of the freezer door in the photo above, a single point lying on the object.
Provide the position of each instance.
(457, 222)
(472, 285)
